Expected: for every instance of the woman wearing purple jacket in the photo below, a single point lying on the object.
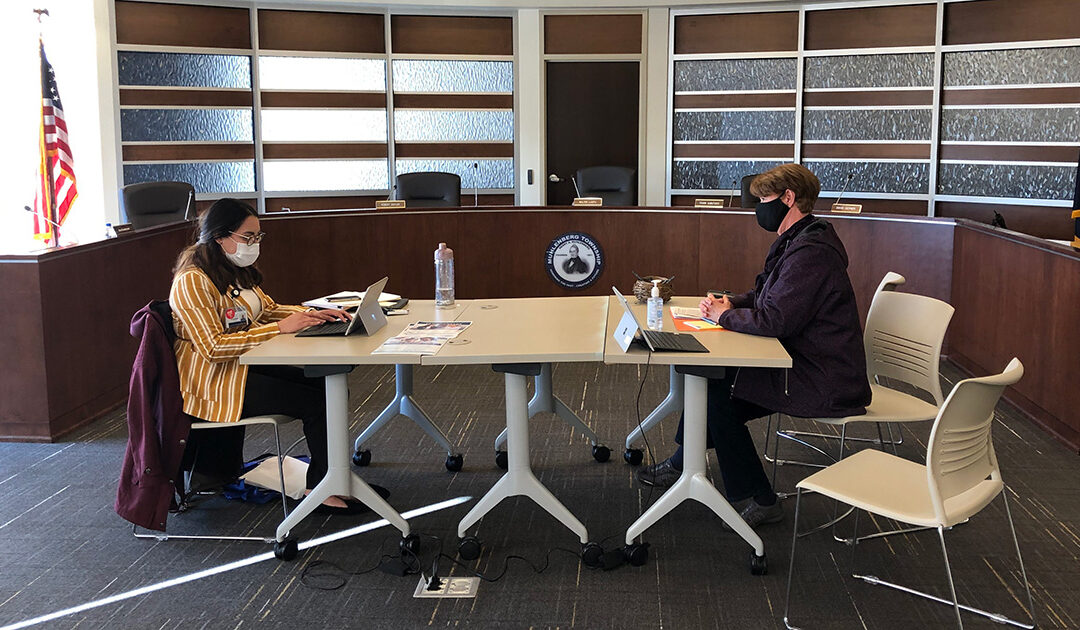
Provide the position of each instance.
(803, 297)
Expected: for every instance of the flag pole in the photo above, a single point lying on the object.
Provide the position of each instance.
(51, 217)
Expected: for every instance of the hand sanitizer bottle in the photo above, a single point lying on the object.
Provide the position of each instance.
(655, 308)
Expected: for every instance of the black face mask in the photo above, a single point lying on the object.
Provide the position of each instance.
(770, 214)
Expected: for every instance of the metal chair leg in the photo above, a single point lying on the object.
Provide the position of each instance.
(281, 470)
(948, 573)
(1016, 545)
(791, 562)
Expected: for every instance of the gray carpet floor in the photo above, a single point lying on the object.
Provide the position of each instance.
(63, 545)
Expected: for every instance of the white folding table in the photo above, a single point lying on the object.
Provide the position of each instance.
(516, 337)
(726, 349)
(333, 358)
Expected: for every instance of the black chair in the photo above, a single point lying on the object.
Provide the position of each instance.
(748, 200)
(616, 185)
(154, 203)
(429, 190)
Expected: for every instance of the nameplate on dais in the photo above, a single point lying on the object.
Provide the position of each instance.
(588, 201)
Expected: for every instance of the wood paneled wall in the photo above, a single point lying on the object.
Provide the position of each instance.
(592, 34)
(67, 345)
(1017, 296)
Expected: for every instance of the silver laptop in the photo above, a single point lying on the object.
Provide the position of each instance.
(368, 317)
(656, 341)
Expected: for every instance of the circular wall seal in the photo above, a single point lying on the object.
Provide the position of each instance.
(574, 260)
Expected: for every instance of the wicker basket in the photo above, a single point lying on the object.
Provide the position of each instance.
(643, 289)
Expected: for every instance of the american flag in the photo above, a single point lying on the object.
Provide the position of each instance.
(56, 173)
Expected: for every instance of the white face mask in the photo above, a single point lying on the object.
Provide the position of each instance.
(245, 255)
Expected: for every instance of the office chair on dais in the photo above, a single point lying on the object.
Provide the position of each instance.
(616, 185)
(959, 478)
(747, 198)
(429, 190)
(155, 203)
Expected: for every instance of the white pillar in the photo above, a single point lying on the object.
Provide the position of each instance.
(655, 144)
(529, 105)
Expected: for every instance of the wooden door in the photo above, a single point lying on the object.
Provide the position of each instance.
(591, 119)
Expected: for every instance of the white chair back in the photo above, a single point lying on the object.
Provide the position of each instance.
(960, 456)
(889, 283)
(903, 338)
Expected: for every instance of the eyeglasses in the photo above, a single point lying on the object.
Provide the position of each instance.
(251, 239)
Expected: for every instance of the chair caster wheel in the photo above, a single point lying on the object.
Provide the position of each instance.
(633, 456)
(469, 548)
(286, 549)
(455, 462)
(502, 460)
(758, 564)
(361, 458)
(409, 544)
(601, 453)
(592, 554)
(637, 554)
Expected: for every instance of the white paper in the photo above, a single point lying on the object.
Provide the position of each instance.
(338, 300)
(685, 312)
(265, 475)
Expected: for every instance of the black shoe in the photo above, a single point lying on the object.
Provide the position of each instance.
(662, 475)
(756, 514)
(353, 507)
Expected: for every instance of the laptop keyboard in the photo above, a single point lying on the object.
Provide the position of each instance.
(326, 329)
(674, 342)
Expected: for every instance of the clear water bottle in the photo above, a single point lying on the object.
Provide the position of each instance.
(655, 308)
(444, 276)
(109, 231)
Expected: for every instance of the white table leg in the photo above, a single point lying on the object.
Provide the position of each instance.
(693, 484)
(673, 403)
(340, 479)
(519, 479)
(404, 404)
(545, 401)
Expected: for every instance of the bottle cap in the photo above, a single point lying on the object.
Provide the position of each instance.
(656, 288)
(444, 252)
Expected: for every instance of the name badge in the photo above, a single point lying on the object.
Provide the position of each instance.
(236, 317)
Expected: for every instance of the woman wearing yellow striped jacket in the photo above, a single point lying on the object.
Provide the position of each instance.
(219, 313)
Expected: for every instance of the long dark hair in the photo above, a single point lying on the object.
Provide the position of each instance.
(222, 218)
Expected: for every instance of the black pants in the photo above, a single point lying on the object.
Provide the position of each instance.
(740, 466)
(285, 390)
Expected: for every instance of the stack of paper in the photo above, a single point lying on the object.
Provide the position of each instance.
(347, 299)
(422, 338)
(690, 320)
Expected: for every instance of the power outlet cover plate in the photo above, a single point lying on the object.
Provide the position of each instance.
(457, 587)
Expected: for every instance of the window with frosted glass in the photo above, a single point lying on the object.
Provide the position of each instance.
(418, 125)
(183, 125)
(206, 177)
(424, 75)
(323, 125)
(309, 175)
(322, 73)
(473, 173)
(184, 70)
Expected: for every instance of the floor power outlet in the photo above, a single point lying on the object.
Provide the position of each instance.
(450, 587)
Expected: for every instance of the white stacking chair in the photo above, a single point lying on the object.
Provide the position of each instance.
(903, 338)
(274, 420)
(890, 282)
(960, 478)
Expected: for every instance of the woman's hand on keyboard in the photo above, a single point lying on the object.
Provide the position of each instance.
(299, 321)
